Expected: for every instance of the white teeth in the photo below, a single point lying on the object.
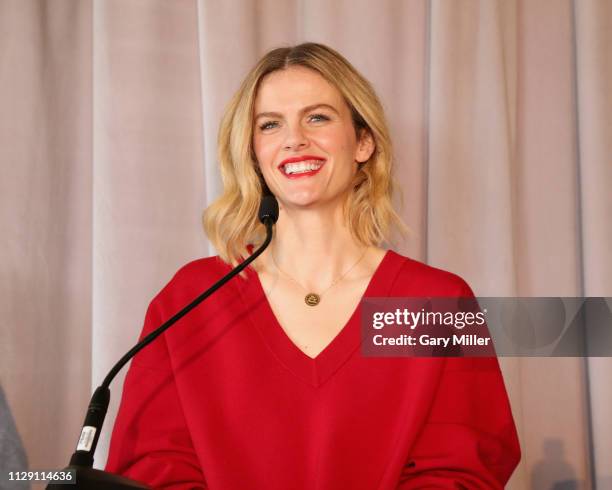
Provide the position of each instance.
(294, 168)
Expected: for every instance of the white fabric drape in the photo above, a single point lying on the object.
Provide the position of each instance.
(45, 220)
(593, 40)
(501, 118)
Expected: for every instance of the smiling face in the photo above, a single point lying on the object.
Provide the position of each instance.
(302, 120)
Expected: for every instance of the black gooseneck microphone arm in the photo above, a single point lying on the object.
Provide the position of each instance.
(83, 458)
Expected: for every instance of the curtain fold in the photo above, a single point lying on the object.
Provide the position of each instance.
(148, 179)
(593, 75)
(45, 218)
(501, 119)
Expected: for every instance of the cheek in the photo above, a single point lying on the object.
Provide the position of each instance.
(264, 147)
(256, 142)
(338, 142)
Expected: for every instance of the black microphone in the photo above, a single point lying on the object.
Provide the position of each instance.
(81, 462)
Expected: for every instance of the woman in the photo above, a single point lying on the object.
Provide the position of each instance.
(264, 386)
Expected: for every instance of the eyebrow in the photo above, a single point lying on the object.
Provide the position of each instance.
(305, 109)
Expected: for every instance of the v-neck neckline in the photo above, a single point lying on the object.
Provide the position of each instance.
(314, 371)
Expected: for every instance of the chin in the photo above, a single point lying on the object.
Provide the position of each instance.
(299, 204)
(301, 200)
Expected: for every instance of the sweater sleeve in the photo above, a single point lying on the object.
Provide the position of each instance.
(469, 440)
(151, 442)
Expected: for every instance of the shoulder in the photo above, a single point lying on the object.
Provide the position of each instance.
(415, 278)
(202, 269)
(192, 279)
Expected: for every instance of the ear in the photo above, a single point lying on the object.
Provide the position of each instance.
(365, 146)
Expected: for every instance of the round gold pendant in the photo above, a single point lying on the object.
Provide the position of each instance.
(312, 299)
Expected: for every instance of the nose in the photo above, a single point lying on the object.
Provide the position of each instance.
(296, 139)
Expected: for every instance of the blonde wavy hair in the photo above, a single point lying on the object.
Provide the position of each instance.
(231, 221)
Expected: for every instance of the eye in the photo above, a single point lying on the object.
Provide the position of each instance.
(319, 117)
(268, 125)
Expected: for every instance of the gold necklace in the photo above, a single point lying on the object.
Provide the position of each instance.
(313, 299)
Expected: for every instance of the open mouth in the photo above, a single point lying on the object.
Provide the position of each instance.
(303, 168)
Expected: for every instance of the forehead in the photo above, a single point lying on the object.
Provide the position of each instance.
(296, 87)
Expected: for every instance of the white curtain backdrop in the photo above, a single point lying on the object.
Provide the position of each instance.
(501, 117)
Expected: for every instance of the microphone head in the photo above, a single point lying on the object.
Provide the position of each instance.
(268, 209)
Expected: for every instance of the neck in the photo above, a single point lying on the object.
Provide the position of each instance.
(315, 249)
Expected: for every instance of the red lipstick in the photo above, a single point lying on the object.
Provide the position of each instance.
(299, 159)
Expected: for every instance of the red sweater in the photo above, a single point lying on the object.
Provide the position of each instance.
(225, 401)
